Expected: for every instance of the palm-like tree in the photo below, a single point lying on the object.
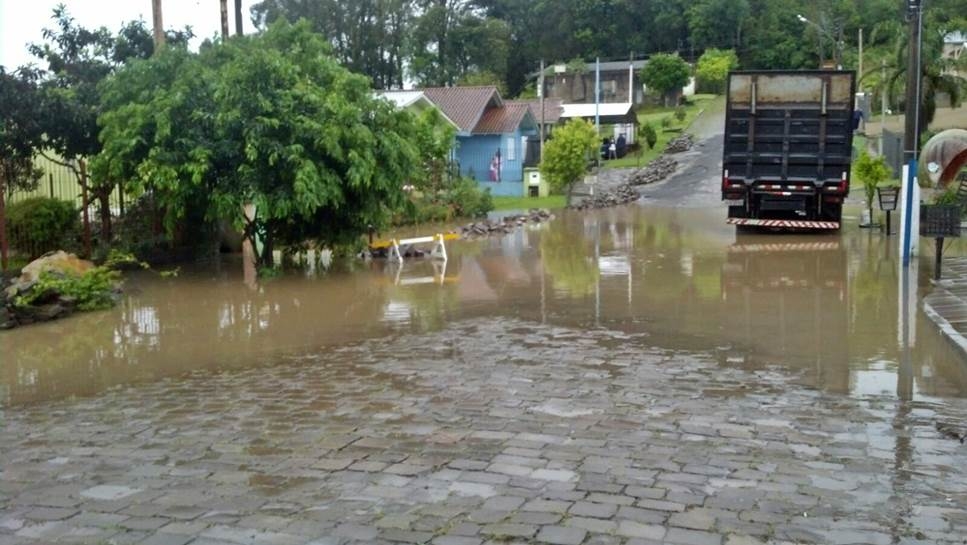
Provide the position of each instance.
(159, 30)
(224, 7)
(939, 74)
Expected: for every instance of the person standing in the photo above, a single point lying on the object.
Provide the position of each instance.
(612, 150)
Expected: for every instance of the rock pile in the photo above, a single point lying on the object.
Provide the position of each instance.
(505, 225)
(680, 144)
(45, 306)
(623, 194)
(655, 171)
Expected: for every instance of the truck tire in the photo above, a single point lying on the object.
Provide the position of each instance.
(833, 212)
(737, 212)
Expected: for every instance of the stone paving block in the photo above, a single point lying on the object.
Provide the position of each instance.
(549, 506)
(457, 540)
(500, 531)
(167, 539)
(50, 513)
(680, 536)
(535, 517)
(561, 535)
(610, 498)
(405, 536)
(503, 503)
(598, 526)
(629, 528)
(642, 515)
(597, 510)
(144, 523)
(561, 475)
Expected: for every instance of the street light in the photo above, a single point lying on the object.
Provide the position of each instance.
(837, 45)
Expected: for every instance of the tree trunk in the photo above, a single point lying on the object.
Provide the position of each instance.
(238, 17)
(224, 7)
(86, 203)
(159, 30)
(3, 226)
(104, 201)
(268, 253)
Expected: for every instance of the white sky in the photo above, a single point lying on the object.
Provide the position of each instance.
(21, 21)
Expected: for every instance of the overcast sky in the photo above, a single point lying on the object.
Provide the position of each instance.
(21, 21)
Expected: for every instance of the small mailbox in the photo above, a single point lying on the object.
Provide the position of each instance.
(939, 220)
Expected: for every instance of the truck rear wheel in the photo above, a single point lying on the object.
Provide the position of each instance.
(833, 212)
(737, 212)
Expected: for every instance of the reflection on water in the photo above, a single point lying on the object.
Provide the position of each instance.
(824, 307)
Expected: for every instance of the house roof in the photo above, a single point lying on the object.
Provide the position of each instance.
(609, 66)
(407, 99)
(401, 99)
(502, 119)
(553, 108)
(955, 37)
(604, 109)
(463, 105)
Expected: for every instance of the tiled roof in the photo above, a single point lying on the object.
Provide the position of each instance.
(553, 108)
(502, 119)
(463, 105)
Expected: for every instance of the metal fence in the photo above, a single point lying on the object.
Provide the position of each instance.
(60, 182)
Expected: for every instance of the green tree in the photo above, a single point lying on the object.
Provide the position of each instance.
(712, 69)
(366, 36)
(270, 120)
(666, 74)
(77, 61)
(716, 23)
(566, 154)
(20, 136)
(871, 172)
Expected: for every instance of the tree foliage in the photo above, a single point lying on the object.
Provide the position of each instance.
(665, 73)
(871, 172)
(713, 67)
(271, 120)
(566, 155)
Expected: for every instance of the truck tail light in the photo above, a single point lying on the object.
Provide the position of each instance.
(842, 183)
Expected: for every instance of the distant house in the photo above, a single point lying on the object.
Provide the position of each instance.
(620, 82)
(493, 136)
(415, 101)
(553, 108)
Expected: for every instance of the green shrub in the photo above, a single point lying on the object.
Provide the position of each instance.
(649, 134)
(467, 200)
(93, 290)
(680, 113)
(666, 121)
(40, 224)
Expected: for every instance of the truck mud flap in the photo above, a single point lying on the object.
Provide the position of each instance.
(784, 224)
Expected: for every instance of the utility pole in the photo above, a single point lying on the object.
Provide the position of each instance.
(909, 219)
(882, 104)
(224, 8)
(159, 30)
(859, 69)
(911, 135)
(541, 91)
(238, 17)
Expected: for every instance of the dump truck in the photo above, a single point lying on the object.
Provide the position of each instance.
(788, 147)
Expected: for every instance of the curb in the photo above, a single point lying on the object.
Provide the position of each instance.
(946, 328)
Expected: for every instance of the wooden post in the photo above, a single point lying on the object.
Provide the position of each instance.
(50, 181)
(939, 258)
(86, 204)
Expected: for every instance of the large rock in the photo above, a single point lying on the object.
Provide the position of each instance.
(60, 262)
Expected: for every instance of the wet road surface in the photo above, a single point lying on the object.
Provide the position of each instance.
(633, 375)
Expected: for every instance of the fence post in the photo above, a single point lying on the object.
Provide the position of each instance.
(50, 182)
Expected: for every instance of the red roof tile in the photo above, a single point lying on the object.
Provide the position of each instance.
(503, 119)
(463, 105)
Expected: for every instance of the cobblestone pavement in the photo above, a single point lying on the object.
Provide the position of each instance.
(487, 431)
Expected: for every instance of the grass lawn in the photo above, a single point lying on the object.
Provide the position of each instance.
(654, 116)
(526, 203)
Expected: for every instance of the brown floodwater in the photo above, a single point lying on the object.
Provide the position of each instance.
(825, 308)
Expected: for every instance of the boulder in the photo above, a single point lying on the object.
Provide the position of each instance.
(60, 262)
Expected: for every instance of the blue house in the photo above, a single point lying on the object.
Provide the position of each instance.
(496, 140)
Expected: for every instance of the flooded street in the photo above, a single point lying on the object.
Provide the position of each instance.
(634, 375)
(823, 308)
